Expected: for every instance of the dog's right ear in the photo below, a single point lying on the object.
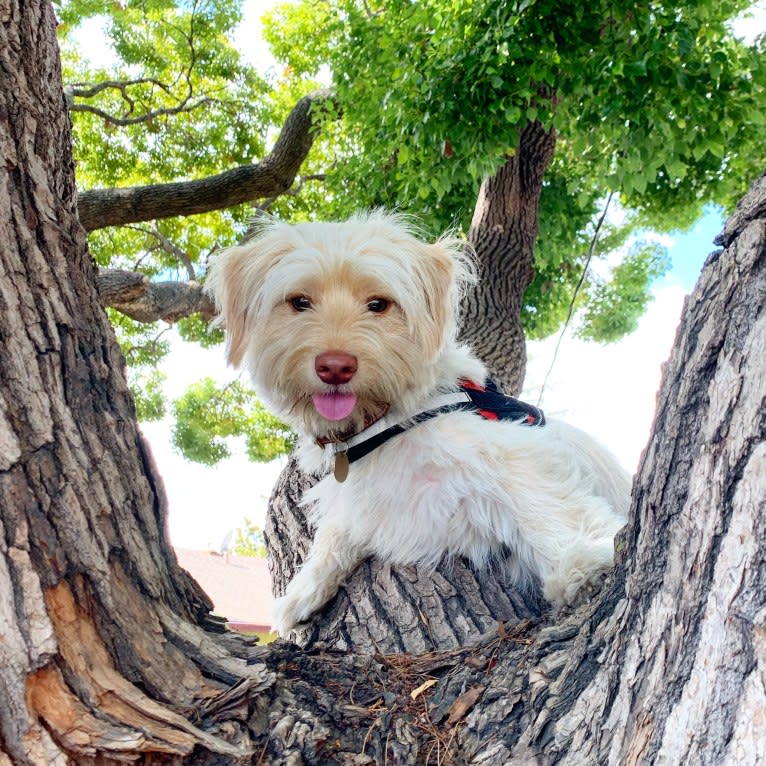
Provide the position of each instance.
(234, 282)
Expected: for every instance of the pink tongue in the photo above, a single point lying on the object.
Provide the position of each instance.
(334, 406)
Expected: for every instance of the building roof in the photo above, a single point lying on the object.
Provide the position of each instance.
(238, 586)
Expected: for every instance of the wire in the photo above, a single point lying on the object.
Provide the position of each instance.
(570, 312)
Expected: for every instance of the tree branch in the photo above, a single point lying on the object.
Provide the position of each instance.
(88, 90)
(122, 122)
(135, 296)
(274, 175)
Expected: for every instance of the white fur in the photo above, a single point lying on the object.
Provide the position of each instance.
(456, 485)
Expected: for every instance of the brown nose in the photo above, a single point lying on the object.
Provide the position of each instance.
(335, 367)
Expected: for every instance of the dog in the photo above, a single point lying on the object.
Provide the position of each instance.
(348, 331)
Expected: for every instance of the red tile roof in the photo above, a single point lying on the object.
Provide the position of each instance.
(239, 586)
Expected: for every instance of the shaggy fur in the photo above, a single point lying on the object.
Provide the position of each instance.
(456, 485)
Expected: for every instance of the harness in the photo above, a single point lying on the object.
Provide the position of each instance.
(487, 401)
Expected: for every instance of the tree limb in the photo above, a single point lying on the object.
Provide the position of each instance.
(275, 174)
(124, 121)
(135, 296)
(88, 90)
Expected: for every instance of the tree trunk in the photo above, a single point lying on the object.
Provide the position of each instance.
(104, 637)
(383, 608)
(503, 233)
(107, 654)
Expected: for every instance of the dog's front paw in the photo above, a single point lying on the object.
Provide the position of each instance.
(284, 615)
(292, 609)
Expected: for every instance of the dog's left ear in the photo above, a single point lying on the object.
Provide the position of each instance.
(439, 269)
(225, 285)
(234, 283)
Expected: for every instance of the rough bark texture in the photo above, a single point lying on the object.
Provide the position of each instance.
(273, 176)
(107, 654)
(100, 627)
(131, 293)
(503, 233)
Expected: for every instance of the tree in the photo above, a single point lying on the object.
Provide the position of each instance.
(249, 541)
(108, 652)
(156, 127)
(535, 104)
(514, 122)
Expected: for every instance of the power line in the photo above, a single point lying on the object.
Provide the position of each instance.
(570, 312)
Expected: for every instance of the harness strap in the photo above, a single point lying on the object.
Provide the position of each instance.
(487, 401)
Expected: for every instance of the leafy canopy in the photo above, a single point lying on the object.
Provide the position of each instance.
(659, 103)
(172, 100)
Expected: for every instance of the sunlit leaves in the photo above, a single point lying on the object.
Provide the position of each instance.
(659, 103)
(194, 329)
(208, 416)
(146, 386)
(656, 102)
(616, 305)
(249, 541)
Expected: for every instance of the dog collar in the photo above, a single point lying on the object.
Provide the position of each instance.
(486, 401)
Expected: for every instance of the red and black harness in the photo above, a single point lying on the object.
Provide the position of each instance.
(487, 401)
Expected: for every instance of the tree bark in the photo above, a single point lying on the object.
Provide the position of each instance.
(108, 654)
(99, 208)
(132, 294)
(503, 233)
(384, 608)
(104, 638)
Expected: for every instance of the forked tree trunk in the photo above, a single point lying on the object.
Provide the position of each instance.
(107, 655)
(503, 234)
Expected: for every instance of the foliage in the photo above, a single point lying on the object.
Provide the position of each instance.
(197, 330)
(616, 306)
(658, 102)
(207, 415)
(248, 541)
(146, 387)
(173, 100)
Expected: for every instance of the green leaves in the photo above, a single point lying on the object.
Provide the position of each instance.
(208, 416)
(249, 541)
(146, 387)
(650, 99)
(658, 102)
(615, 306)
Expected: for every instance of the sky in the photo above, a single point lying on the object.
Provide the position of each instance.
(608, 390)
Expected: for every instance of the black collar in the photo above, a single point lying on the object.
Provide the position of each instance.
(485, 400)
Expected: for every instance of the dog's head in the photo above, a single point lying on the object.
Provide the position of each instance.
(337, 321)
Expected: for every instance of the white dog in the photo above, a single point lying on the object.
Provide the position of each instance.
(348, 331)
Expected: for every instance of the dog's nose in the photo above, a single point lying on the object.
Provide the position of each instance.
(335, 367)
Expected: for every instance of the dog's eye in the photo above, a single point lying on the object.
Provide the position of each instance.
(300, 302)
(378, 305)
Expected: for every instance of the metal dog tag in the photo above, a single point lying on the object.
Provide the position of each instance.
(340, 469)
